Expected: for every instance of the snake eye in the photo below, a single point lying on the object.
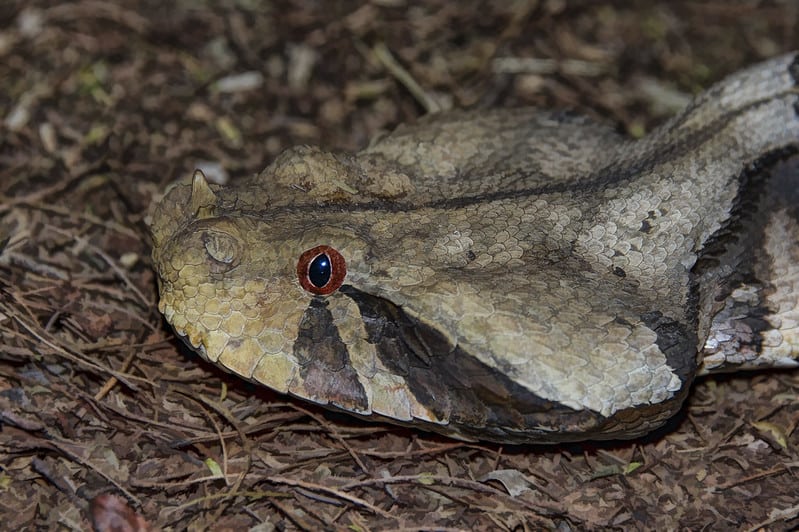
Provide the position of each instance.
(321, 270)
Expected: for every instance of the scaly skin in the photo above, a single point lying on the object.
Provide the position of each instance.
(512, 275)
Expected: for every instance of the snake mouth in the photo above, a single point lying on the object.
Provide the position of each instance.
(184, 337)
(191, 339)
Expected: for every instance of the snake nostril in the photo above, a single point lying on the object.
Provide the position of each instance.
(221, 247)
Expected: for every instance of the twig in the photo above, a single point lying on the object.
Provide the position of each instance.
(384, 56)
(787, 514)
(112, 381)
(60, 351)
(337, 435)
(331, 491)
(111, 262)
(782, 468)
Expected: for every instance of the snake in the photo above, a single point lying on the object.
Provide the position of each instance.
(520, 276)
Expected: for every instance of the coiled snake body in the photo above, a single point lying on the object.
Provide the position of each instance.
(505, 275)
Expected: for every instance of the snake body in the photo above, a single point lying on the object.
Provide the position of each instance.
(508, 275)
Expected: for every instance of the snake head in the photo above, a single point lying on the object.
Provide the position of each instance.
(366, 316)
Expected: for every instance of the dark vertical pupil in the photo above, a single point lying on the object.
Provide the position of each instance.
(319, 271)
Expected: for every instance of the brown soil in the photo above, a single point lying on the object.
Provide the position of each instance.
(103, 104)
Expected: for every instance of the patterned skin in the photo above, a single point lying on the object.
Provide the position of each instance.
(506, 275)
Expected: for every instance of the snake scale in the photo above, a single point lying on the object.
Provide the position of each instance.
(508, 275)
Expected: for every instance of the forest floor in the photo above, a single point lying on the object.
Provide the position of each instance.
(107, 419)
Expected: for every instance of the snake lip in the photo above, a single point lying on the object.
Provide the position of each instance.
(185, 337)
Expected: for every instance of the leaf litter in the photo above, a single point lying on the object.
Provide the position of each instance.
(107, 422)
